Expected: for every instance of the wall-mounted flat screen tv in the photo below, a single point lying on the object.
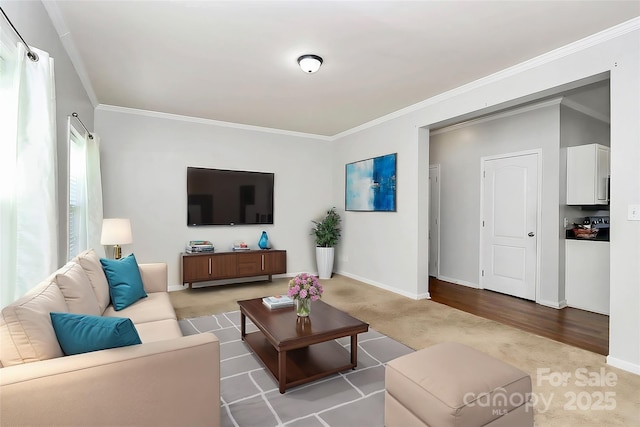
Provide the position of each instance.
(229, 197)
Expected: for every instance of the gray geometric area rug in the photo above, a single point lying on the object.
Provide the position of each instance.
(250, 396)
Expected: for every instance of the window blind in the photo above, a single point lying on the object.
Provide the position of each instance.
(77, 200)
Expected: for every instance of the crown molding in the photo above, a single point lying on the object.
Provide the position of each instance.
(499, 115)
(586, 110)
(209, 122)
(582, 44)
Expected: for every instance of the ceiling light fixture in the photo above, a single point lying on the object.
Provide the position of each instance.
(310, 63)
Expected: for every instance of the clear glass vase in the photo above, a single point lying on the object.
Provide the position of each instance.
(303, 307)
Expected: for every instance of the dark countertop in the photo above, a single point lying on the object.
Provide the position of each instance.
(602, 236)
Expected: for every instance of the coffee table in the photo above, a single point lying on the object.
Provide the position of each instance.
(299, 350)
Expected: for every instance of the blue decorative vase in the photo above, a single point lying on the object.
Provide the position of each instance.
(263, 243)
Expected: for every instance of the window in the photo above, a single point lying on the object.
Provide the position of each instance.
(84, 209)
(77, 194)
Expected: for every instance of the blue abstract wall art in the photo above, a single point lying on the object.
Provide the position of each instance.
(371, 184)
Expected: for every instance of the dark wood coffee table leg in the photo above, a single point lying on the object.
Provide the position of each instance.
(282, 371)
(354, 350)
(243, 329)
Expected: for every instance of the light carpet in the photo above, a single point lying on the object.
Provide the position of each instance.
(557, 370)
(250, 395)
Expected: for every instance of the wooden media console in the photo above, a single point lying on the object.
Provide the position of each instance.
(205, 267)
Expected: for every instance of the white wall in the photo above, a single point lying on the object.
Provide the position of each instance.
(33, 23)
(381, 247)
(144, 159)
(459, 150)
(580, 129)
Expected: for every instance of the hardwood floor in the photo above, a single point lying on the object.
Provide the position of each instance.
(578, 328)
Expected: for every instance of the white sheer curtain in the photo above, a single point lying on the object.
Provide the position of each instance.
(85, 192)
(28, 197)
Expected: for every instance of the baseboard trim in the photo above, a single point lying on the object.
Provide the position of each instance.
(172, 288)
(425, 295)
(552, 304)
(624, 365)
(591, 309)
(459, 282)
(420, 296)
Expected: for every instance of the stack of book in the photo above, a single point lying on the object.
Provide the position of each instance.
(277, 301)
(198, 246)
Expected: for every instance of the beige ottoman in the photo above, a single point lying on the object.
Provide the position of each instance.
(451, 384)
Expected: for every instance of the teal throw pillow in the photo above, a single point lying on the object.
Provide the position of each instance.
(125, 282)
(82, 333)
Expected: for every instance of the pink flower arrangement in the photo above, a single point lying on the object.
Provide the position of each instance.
(305, 286)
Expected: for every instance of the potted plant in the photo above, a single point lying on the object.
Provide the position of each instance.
(327, 233)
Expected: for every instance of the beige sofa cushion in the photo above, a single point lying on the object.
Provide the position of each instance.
(77, 290)
(26, 333)
(160, 330)
(156, 306)
(90, 263)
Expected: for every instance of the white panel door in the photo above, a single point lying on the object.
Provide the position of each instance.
(509, 232)
(434, 219)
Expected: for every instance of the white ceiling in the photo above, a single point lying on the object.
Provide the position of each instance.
(235, 61)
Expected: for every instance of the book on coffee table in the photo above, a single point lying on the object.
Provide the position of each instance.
(277, 301)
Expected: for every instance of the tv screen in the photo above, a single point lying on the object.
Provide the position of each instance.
(228, 197)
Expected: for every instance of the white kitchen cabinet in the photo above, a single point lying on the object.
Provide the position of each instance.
(587, 275)
(588, 172)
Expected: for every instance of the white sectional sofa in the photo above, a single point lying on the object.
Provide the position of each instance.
(167, 380)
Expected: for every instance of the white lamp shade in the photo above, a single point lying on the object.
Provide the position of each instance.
(116, 231)
(310, 63)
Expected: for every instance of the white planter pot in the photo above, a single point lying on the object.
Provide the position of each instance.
(324, 261)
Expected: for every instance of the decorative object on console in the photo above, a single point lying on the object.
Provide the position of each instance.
(303, 289)
(371, 185)
(327, 234)
(116, 231)
(240, 246)
(263, 243)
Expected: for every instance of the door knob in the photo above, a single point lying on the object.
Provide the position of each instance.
(531, 234)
